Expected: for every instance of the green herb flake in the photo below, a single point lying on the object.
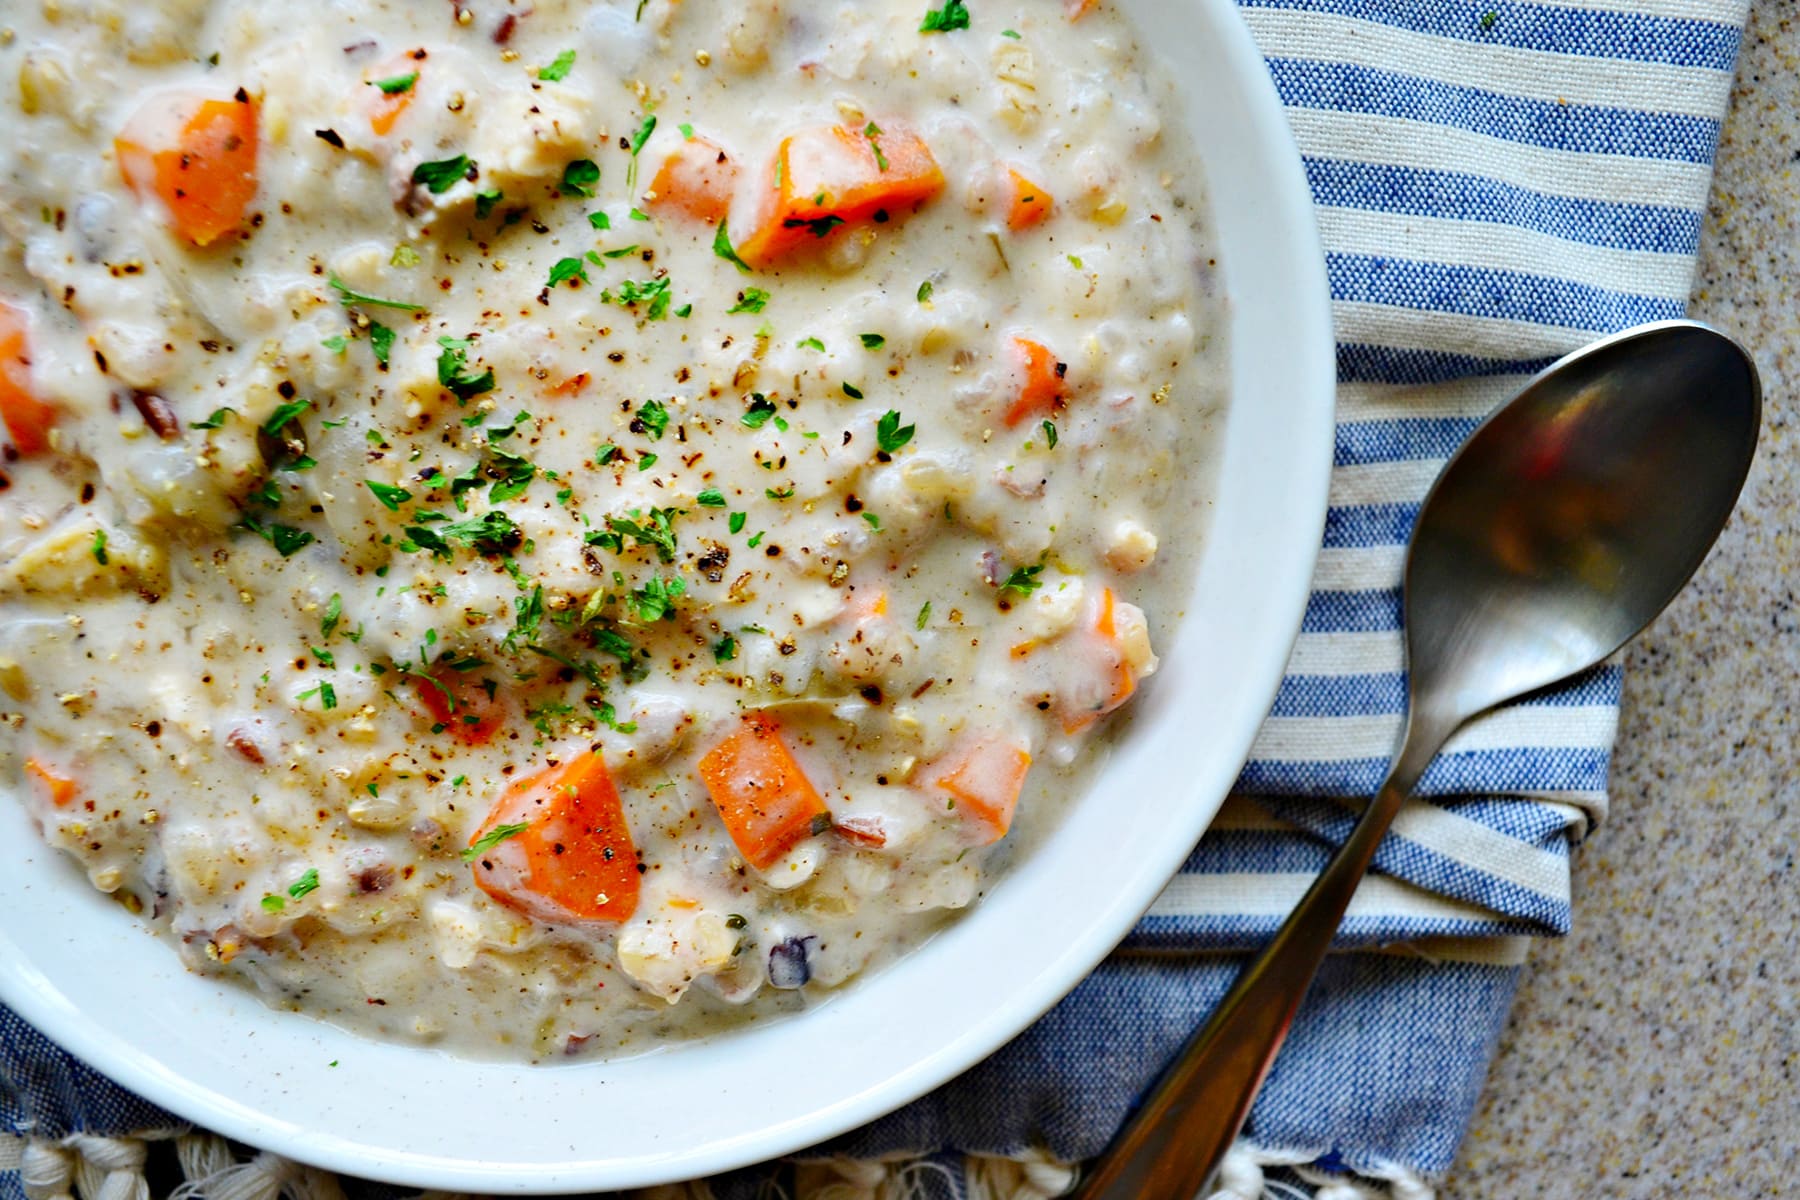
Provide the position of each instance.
(760, 410)
(725, 650)
(274, 904)
(954, 15)
(652, 419)
(558, 70)
(492, 838)
(442, 175)
(337, 343)
(711, 498)
(334, 612)
(565, 270)
(852, 391)
(99, 547)
(579, 178)
(723, 248)
(599, 220)
(350, 296)
(1050, 436)
(405, 256)
(396, 85)
(890, 435)
(873, 520)
(381, 342)
(873, 341)
(872, 131)
(1010, 33)
(750, 300)
(687, 131)
(308, 882)
(756, 539)
(811, 343)
(925, 290)
(486, 200)
(735, 522)
(453, 370)
(283, 414)
(924, 617)
(1023, 580)
(391, 497)
(786, 493)
(606, 454)
(817, 226)
(643, 134)
(646, 460)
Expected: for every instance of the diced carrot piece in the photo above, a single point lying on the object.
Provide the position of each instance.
(830, 176)
(698, 179)
(27, 418)
(385, 107)
(985, 776)
(1030, 204)
(197, 156)
(61, 789)
(1041, 382)
(1122, 683)
(1076, 9)
(460, 704)
(765, 799)
(556, 846)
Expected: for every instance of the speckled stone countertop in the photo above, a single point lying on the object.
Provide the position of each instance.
(1655, 1051)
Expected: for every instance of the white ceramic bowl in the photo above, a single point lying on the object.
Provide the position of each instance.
(74, 965)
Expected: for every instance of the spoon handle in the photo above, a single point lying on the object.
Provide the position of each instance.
(1183, 1127)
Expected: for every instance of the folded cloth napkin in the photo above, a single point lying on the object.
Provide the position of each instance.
(1497, 183)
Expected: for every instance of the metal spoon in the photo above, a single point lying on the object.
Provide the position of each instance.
(1560, 530)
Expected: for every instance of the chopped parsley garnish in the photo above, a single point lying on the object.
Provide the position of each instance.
(711, 498)
(954, 15)
(925, 291)
(760, 410)
(643, 134)
(750, 300)
(325, 657)
(391, 497)
(308, 882)
(811, 343)
(924, 616)
(872, 131)
(655, 601)
(558, 70)
(873, 341)
(528, 618)
(852, 391)
(638, 214)
(817, 226)
(565, 270)
(725, 650)
(283, 414)
(397, 84)
(687, 131)
(786, 493)
(606, 454)
(890, 435)
(486, 200)
(873, 520)
(334, 612)
(453, 370)
(579, 178)
(99, 547)
(1023, 580)
(599, 220)
(722, 247)
(442, 175)
(337, 343)
(735, 522)
(632, 291)
(1075, 261)
(285, 538)
(381, 341)
(1049, 428)
(404, 256)
(349, 296)
(621, 252)
(492, 838)
(646, 460)
(325, 692)
(756, 539)
(274, 904)
(1010, 33)
(653, 418)
(655, 528)
(489, 534)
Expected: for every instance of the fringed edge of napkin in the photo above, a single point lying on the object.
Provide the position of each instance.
(86, 1167)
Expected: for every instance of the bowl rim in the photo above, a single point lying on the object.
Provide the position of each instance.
(1285, 566)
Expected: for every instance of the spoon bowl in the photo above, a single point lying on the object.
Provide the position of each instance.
(1575, 513)
(1563, 526)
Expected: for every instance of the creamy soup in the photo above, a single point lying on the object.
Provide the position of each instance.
(543, 529)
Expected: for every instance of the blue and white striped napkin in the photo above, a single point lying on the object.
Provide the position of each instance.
(1497, 184)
